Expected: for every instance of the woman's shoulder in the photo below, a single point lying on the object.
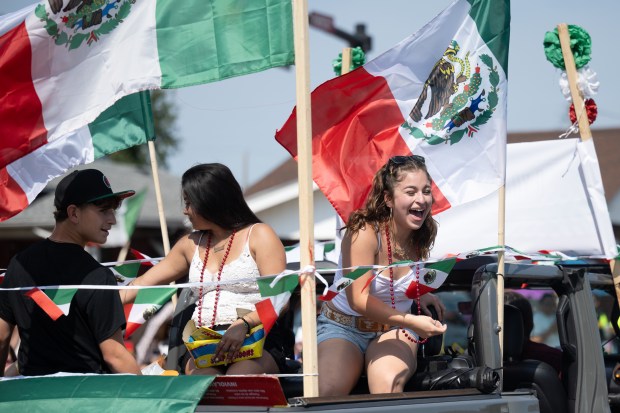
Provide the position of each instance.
(368, 231)
(365, 237)
(188, 243)
(259, 231)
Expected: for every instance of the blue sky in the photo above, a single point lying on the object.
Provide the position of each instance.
(234, 121)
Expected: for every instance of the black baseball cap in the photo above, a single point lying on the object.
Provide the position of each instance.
(85, 186)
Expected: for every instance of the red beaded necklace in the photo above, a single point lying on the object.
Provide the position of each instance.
(417, 279)
(219, 276)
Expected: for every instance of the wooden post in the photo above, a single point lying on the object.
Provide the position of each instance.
(571, 73)
(160, 207)
(160, 203)
(501, 267)
(346, 60)
(306, 215)
(582, 120)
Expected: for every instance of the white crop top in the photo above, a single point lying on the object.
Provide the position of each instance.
(379, 287)
(242, 295)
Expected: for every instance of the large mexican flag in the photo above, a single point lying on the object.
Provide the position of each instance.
(62, 63)
(440, 93)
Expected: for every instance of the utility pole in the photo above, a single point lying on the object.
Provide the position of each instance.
(326, 23)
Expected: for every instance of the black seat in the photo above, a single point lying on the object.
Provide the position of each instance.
(531, 374)
(183, 311)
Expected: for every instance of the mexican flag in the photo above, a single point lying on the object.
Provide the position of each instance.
(147, 303)
(127, 123)
(126, 219)
(440, 93)
(54, 301)
(277, 292)
(62, 63)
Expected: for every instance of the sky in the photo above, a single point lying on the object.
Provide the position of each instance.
(234, 121)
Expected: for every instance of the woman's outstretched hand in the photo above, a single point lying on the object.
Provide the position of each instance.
(425, 326)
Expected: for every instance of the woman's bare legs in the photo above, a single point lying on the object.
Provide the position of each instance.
(340, 366)
(391, 361)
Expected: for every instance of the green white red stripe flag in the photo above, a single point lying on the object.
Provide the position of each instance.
(54, 301)
(147, 303)
(277, 291)
(62, 63)
(127, 123)
(440, 93)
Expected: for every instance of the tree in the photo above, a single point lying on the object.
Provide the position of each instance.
(166, 143)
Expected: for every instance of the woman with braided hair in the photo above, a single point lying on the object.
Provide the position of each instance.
(371, 326)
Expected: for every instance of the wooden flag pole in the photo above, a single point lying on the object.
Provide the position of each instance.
(160, 203)
(571, 74)
(160, 207)
(346, 60)
(123, 252)
(501, 266)
(582, 119)
(306, 215)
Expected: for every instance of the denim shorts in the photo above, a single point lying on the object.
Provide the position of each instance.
(327, 329)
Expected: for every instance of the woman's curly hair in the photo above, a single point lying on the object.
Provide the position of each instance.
(376, 213)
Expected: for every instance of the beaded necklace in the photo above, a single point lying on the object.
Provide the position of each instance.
(219, 276)
(417, 279)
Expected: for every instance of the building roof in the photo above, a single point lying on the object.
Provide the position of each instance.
(122, 177)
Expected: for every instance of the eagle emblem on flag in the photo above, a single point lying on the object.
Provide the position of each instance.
(454, 101)
(82, 20)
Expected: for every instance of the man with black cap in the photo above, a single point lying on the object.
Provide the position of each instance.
(89, 338)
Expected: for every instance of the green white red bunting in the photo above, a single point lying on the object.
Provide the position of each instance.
(55, 302)
(431, 277)
(277, 291)
(147, 303)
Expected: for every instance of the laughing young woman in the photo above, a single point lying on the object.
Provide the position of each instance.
(371, 327)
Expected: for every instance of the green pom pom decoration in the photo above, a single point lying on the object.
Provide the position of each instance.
(580, 45)
(358, 58)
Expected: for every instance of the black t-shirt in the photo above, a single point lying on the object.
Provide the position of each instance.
(71, 343)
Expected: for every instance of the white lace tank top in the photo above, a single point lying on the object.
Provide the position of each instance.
(242, 295)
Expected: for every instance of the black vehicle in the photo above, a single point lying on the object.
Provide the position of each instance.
(471, 375)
